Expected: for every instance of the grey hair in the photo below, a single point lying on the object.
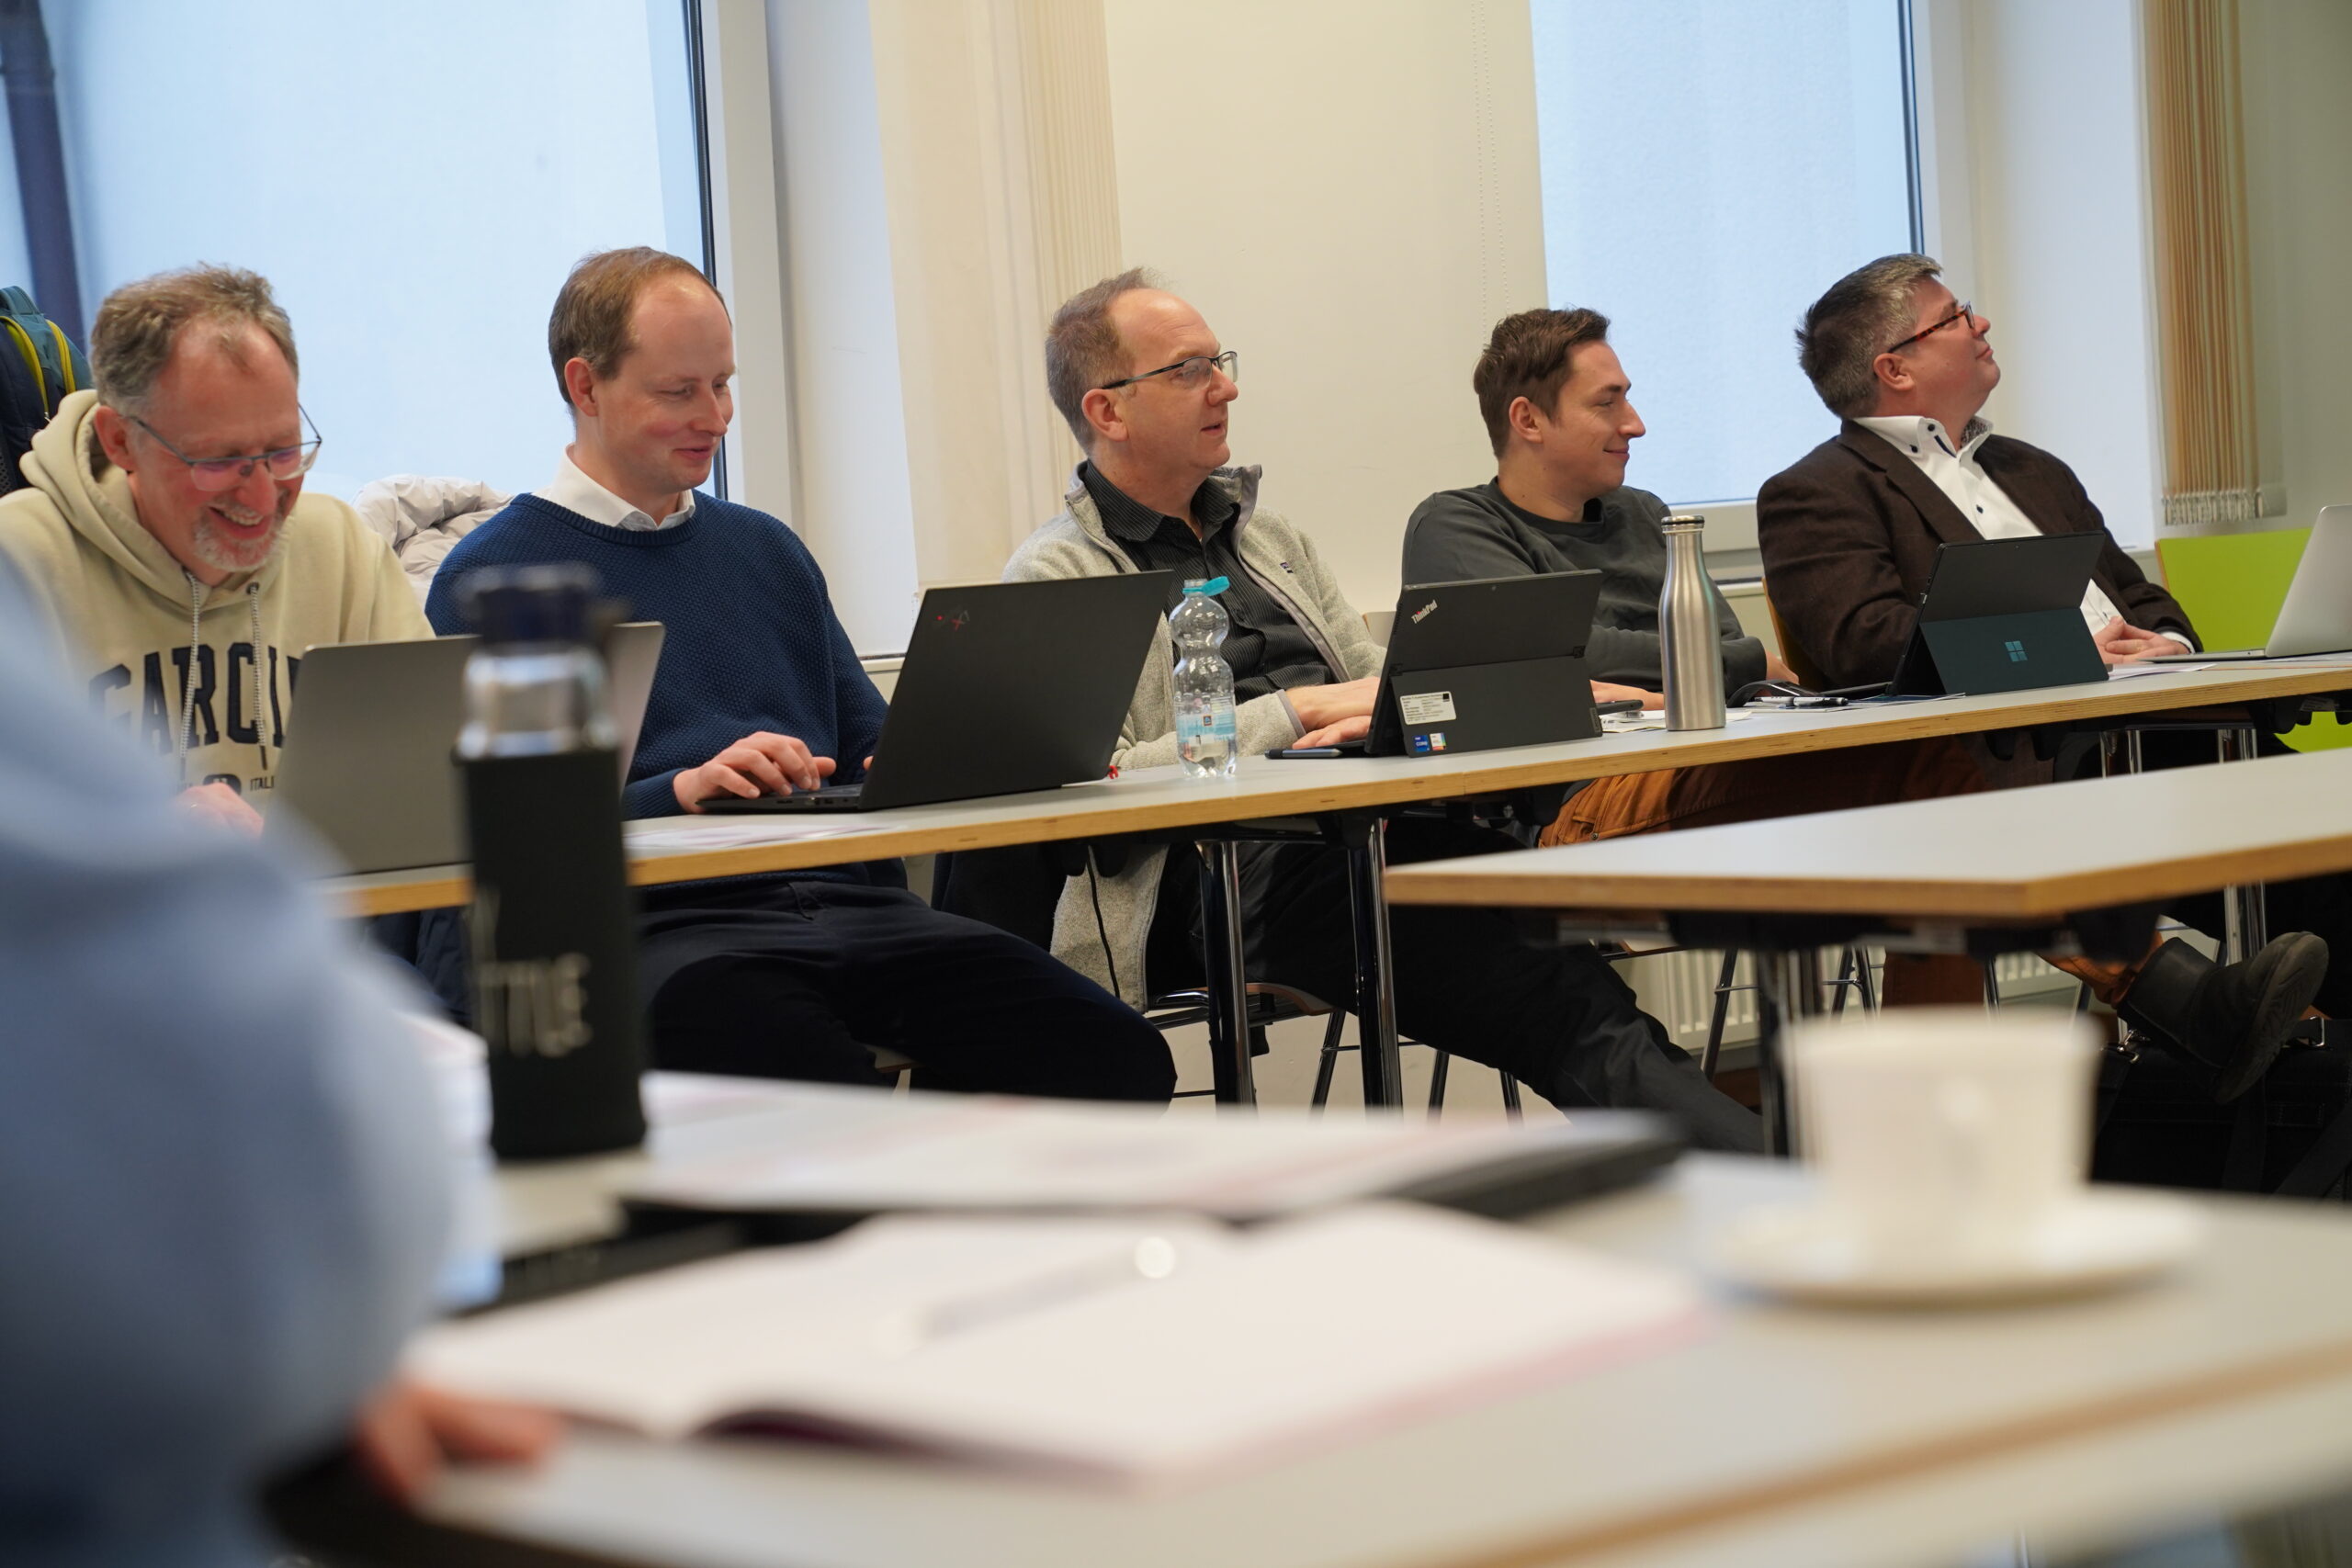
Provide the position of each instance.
(1082, 346)
(1851, 326)
(139, 325)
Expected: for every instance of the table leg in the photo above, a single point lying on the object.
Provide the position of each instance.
(2246, 908)
(1366, 845)
(1228, 986)
(1791, 987)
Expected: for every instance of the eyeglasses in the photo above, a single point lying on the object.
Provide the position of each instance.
(211, 474)
(1189, 374)
(1965, 313)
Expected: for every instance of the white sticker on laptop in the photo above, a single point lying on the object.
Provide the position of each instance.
(1426, 707)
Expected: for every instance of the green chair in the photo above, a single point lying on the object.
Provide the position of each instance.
(2232, 585)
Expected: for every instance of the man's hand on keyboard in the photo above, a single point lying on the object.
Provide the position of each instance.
(755, 765)
(222, 807)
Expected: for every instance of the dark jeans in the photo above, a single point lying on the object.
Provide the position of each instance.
(795, 979)
(1468, 982)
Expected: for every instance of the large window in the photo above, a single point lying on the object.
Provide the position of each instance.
(1709, 167)
(415, 179)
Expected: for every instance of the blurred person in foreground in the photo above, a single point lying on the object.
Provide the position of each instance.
(222, 1178)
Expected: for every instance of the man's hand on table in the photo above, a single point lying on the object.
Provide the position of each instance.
(2120, 642)
(756, 765)
(1354, 729)
(408, 1432)
(222, 807)
(1609, 692)
(1774, 669)
(1322, 707)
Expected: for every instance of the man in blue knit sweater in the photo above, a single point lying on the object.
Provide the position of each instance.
(758, 691)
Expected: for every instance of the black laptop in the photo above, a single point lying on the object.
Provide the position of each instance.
(1491, 662)
(1006, 687)
(2003, 615)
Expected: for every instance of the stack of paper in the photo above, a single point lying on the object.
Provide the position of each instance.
(1127, 1351)
(970, 1152)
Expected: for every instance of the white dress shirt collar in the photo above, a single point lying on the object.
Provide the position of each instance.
(1922, 437)
(575, 491)
(1979, 497)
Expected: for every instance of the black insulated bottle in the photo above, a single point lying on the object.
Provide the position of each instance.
(554, 962)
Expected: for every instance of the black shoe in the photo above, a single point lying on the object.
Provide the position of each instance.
(2230, 1019)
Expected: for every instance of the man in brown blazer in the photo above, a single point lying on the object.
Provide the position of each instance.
(1849, 531)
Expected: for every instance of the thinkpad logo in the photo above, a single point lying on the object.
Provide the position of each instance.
(1423, 613)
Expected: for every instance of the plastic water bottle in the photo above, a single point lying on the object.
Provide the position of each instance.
(553, 948)
(1204, 737)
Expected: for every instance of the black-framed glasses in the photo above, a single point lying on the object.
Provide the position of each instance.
(1189, 374)
(1965, 313)
(214, 474)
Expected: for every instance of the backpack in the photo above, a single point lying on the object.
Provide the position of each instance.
(2291, 1136)
(38, 366)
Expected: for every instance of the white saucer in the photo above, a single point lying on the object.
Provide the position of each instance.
(2101, 1238)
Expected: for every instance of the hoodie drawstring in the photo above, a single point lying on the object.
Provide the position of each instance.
(188, 687)
(261, 677)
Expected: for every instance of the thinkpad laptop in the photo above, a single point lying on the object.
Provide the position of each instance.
(1485, 663)
(2003, 615)
(370, 759)
(1007, 687)
(2317, 615)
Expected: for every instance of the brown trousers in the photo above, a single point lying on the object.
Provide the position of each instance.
(1764, 788)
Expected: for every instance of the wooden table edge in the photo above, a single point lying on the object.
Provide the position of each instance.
(1470, 884)
(439, 887)
(2209, 1389)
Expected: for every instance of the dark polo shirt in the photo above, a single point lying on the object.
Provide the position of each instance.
(1268, 651)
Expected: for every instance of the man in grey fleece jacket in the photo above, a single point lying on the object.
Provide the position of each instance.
(1147, 388)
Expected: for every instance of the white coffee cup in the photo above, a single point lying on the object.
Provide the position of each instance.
(1943, 1137)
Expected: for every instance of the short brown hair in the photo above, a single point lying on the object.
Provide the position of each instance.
(140, 323)
(1851, 326)
(1082, 346)
(1530, 356)
(592, 309)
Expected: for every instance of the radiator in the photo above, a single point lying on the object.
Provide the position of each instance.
(1678, 990)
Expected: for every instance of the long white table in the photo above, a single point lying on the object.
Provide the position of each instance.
(1767, 1443)
(1159, 799)
(1356, 791)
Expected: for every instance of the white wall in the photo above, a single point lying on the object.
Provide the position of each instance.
(851, 502)
(2298, 65)
(2060, 255)
(1347, 190)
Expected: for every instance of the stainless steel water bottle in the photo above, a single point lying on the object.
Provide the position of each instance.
(1692, 638)
(553, 948)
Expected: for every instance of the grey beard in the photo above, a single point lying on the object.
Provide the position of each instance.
(224, 554)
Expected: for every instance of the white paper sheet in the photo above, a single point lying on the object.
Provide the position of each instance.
(735, 832)
(1138, 1352)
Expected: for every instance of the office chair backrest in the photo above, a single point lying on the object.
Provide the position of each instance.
(1808, 674)
(2232, 585)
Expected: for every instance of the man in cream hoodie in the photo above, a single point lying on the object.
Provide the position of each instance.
(164, 531)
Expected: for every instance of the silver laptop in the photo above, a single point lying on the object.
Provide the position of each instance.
(371, 738)
(2317, 615)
